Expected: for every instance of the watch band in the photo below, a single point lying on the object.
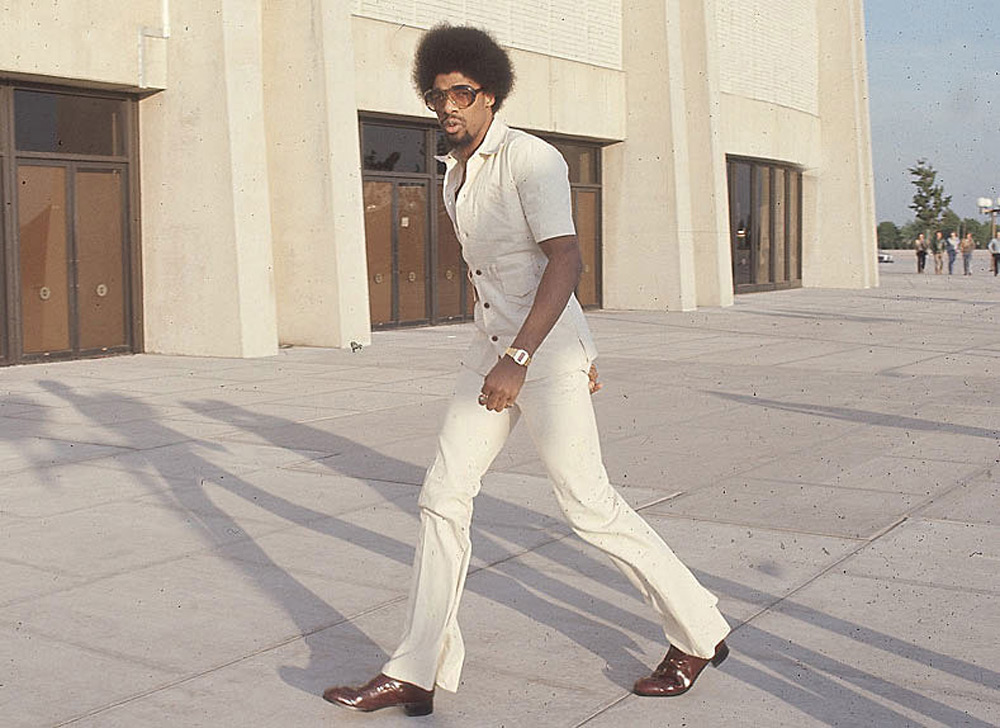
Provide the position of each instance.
(520, 356)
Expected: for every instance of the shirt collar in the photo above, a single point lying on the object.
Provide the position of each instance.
(490, 144)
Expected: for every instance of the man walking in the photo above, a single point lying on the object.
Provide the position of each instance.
(937, 249)
(966, 247)
(952, 247)
(920, 245)
(508, 196)
(994, 248)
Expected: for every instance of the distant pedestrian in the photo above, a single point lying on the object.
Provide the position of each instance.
(994, 248)
(920, 245)
(966, 247)
(937, 248)
(951, 246)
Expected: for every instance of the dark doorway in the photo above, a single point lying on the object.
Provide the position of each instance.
(416, 273)
(765, 203)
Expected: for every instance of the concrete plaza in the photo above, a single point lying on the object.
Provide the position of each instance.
(206, 542)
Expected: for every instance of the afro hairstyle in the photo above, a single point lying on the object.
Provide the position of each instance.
(470, 51)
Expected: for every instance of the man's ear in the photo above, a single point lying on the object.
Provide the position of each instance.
(490, 100)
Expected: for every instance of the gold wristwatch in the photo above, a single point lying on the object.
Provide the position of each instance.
(520, 356)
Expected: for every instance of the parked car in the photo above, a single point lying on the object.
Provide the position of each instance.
(885, 257)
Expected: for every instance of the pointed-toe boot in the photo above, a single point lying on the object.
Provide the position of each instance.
(383, 692)
(677, 673)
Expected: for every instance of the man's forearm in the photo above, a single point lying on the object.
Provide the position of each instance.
(560, 279)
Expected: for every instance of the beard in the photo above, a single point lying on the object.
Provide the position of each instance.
(458, 139)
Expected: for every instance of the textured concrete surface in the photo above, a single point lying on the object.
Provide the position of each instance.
(211, 542)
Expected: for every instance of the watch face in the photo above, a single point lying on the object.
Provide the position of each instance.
(520, 356)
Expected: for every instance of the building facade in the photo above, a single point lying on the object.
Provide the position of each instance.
(222, 177)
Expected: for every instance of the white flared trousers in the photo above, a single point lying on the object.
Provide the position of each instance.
(560, 417)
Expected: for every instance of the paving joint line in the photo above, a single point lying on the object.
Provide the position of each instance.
(235, 661)
(907, 516)
(282, 643)
(929, 584)
(602, 710)
(820, 573)
(759, 527)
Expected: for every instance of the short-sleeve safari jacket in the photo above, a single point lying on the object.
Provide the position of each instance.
(516, 195)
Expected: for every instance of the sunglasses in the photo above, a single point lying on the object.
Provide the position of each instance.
(461, 96)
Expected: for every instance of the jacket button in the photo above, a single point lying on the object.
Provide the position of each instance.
(493, 338)
(478, 272)
(486, 305)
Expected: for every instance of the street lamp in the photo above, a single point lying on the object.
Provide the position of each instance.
(986, 207)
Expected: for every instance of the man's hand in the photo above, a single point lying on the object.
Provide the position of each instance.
(595, 384)
(502, 384)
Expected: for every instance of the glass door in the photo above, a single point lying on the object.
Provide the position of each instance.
(411, 251)
(450, 269)
(43, 236)
(396, 240)
(740, 226)
(378, 242)
(99, 197)
(586, 211)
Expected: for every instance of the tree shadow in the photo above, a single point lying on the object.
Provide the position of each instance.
(834, 690)
(821, 691)
(576, 614)
(862, 417)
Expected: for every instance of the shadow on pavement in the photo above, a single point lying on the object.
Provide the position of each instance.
(862, 417)
(824, 690)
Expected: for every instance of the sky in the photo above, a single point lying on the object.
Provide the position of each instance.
(934, 83)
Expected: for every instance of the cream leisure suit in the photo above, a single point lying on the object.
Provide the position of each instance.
(517, 194)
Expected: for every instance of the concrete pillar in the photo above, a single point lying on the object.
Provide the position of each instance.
(206, 230)
(313, 162)
(666, 234)
(706, 183)
(647, 264)
(845, 254)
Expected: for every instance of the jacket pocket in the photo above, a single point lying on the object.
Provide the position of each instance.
(520, 283)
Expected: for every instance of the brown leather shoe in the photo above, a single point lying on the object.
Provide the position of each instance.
(677, 673)
(383, 692)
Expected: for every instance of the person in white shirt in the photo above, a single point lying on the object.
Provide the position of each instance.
(508, 195)
(994, 248)
(951, 247)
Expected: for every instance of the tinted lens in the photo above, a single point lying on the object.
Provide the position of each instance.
(463, 96)
(433, 99)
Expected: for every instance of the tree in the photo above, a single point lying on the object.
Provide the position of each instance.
(929, 201)
(888, 235)
(909, 232)
(951, 223)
